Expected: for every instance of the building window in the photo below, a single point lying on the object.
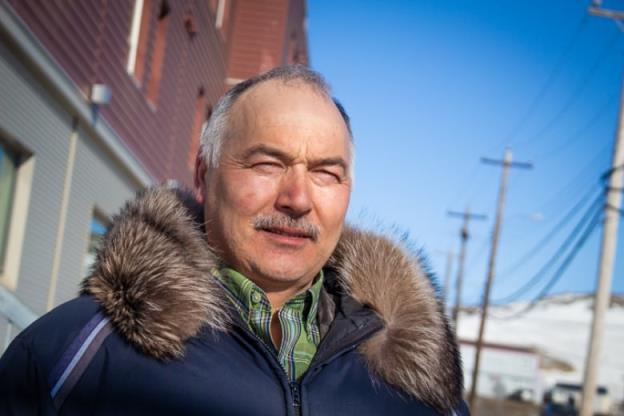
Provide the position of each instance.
(139, 35)
(16, 172)
(213, 4)
(222, 17)
(97, 229)
(158, 55)
(9, 162)
(200, 119)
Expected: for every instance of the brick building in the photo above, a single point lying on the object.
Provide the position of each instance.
(99, 99)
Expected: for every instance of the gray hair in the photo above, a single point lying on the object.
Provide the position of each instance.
(216, 130)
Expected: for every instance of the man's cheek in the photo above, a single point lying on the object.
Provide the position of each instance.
(251, 195)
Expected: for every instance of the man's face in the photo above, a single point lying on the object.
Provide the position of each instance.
(275, 205)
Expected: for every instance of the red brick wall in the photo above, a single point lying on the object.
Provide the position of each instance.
(90, 41)
(261, 35)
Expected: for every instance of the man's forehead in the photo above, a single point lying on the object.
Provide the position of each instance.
(274, 102)
(266, 92)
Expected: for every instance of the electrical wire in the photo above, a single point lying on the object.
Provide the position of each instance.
(588, 196)
(599, 114)
(580, 88)
(612, 208)
(554, 73)
(573, 183)
(537, 277)
(561, 270)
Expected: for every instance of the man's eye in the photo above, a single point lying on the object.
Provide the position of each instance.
(327, 176)
(267, 167)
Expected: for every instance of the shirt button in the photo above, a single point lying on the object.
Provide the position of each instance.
(256, 297)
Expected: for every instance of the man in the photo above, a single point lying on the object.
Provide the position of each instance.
(264, 303)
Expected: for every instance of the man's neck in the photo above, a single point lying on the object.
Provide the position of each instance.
(278, 298)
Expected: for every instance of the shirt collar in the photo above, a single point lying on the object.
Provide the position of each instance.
(246, 294)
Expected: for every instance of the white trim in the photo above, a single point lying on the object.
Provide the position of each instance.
(220, 13)
(17, 223)
(13, 30)
(233, 81)
(60, 232)
(133, 39)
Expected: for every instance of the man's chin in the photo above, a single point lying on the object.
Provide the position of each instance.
(284, 274)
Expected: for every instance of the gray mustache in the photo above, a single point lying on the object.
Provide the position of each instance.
(303, 226)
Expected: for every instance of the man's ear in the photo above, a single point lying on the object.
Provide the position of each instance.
(199, 179)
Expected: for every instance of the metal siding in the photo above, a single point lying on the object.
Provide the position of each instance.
(29, 115)
(39, 123)
(96, 183)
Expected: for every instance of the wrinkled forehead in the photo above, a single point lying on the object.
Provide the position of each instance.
(294, 111)
(274, 96)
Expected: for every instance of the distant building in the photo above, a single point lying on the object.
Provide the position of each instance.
(506, 371)
(99, 99)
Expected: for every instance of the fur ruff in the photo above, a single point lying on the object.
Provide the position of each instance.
(152, 277)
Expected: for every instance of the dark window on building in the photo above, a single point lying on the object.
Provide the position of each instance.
(222, 19)
(139, 39)
(9, 161)
(97, 229)
(200, 119)
(158, 55)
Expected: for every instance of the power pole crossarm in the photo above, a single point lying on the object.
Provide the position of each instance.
(597, 11)
(512, 164)
(506, 163)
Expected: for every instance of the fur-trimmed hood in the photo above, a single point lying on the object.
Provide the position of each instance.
(152, 278)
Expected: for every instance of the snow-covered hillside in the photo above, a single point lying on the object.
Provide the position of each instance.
(559, 326)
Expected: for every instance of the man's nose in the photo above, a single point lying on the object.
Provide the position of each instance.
(294, 197)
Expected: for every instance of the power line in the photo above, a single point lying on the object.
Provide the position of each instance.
(537, 277)
(577, 92)
(575, 180)
(546, 239)
(599, 114)
(549, 81)
(561, 270)
(612, 208)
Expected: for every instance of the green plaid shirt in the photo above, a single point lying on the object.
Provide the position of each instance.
(300, 330)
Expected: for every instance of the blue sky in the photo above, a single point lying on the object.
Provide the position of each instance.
(433, 85)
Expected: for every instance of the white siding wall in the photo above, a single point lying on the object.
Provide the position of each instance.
(41, 123)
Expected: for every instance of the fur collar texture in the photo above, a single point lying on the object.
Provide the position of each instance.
(152, 277)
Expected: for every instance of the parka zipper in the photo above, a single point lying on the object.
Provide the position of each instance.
(296, 394)
(347, 344)
(295, 390)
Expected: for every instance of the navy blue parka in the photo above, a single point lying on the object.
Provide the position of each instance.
(153, 334)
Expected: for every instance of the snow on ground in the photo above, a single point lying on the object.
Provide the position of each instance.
(558, 326)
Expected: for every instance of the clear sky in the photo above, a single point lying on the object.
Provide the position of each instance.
(433, 85)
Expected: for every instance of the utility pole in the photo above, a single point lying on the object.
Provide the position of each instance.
(450, 254)
(608, 246)
(507, 163)
(464, 235)
(447, 274)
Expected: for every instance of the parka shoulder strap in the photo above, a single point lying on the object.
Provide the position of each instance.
(76, 358)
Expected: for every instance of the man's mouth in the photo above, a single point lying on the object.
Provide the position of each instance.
(288, 232)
